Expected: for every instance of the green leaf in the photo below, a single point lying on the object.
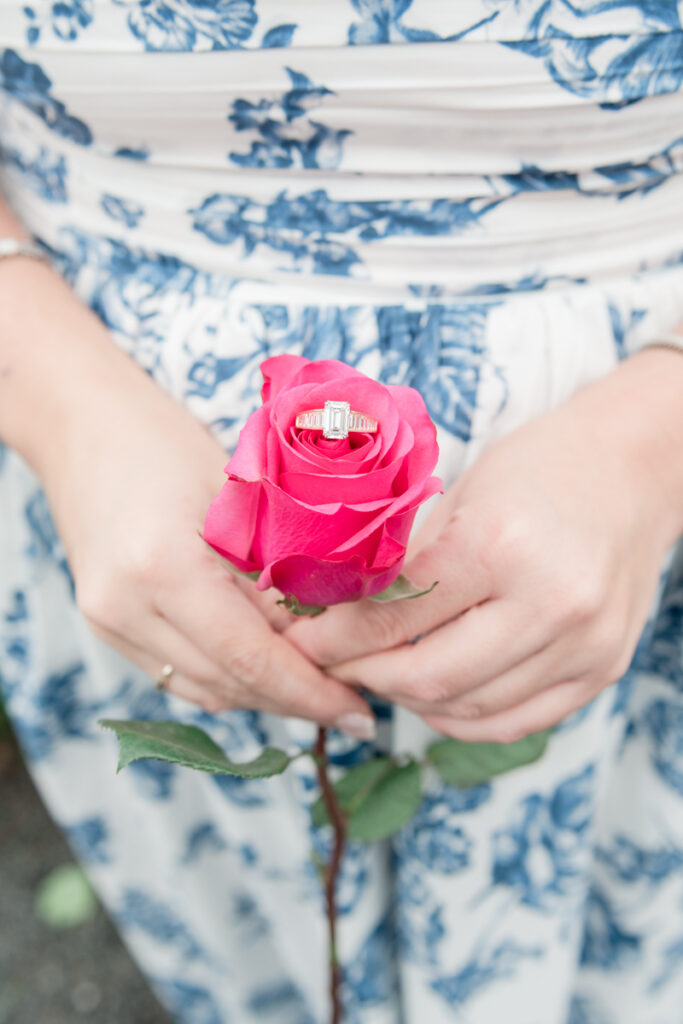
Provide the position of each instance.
(189, 746)
(292, 605)
(401, 589)
(352, 788)
(64, 898)
(469, 764)
(389, 805)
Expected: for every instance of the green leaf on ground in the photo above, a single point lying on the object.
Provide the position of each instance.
(469, 764)
(291, 604)
(401, 589)
(352, 788)
(189, 746)
(64, 898)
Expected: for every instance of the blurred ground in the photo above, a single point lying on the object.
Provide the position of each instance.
(69, 976)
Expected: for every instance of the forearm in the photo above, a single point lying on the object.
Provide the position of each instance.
(636, 412)
(56, 358)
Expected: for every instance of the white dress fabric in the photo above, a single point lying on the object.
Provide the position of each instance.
(479, 198)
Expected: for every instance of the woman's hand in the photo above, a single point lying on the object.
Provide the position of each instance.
(547, 552)
(129, 475)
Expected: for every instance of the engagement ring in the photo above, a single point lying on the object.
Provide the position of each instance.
(337, 420)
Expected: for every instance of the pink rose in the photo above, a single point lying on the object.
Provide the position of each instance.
(324, 520)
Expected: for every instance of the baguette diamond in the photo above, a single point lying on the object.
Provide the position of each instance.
(337, 420)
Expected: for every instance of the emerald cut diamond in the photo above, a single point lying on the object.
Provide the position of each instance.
(336, 419)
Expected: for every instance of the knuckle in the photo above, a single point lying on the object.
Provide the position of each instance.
(507, 539)
(249, 664)
(506, 732)
(98, 602)
(433, 690)
(382, 626)
(582, 600)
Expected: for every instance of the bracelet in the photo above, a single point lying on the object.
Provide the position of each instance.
(18, 247)
(666, 340)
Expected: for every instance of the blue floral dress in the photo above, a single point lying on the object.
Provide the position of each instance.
(482, 199)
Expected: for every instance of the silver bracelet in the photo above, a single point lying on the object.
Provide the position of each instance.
(18, 247)
(666, 340)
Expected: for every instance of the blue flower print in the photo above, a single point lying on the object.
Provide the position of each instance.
(190, 1002)
(159, 921)
(647, 63)
(662, 720)
(542, 853)
(66, 18)
(381, 21)
(484, 969)
(181, 25)
(605, 943)
(42, 172)
(278, 143)
(90, 839)
(29, 84)
(123, 210)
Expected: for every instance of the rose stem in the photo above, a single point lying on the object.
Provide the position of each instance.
(338, 820)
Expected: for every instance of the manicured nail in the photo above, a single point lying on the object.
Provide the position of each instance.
(361, 727)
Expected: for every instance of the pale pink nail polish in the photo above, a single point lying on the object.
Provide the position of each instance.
(361, 727)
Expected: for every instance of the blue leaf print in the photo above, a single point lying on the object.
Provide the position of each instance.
(43, 173)
(382, 22)
(90, 838)
(159, 921)
(370, 977)
(193, 1004)
(281, 35)
(123, 210)
(153, 779)
(277, 144)
(631, 863)
(484, 969)
(280, 1000)
(66, 18)
(182, 25)
(29, 84)
(663, 720)
(542, 853)
(647, 63)
(204, 836)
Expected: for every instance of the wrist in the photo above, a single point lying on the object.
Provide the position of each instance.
(635, 417)
(56, 358)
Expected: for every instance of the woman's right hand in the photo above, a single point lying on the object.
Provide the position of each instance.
(129, 474)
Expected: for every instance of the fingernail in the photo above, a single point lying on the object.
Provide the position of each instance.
(361, 727)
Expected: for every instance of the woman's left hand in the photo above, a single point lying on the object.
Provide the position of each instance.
(547, 553)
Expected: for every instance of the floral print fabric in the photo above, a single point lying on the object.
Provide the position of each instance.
(482, 199)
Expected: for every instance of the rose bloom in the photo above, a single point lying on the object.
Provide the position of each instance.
(324, 520)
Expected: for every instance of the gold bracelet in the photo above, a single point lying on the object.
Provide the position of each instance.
(19, 247)
(666, 340)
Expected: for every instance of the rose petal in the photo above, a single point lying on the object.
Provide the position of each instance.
(321, 488)
(322, 581)
(277, 372)
(287, 526)
(249, 459)
(231, 523)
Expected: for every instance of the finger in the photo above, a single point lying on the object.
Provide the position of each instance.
(189, 666)
(356, 629)
(457, 658)
(542, 711)
(266, 601)
(215, 615)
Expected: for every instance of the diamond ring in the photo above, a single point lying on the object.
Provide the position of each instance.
(336, 420)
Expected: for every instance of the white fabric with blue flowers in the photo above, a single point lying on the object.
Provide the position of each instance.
(482, 199)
